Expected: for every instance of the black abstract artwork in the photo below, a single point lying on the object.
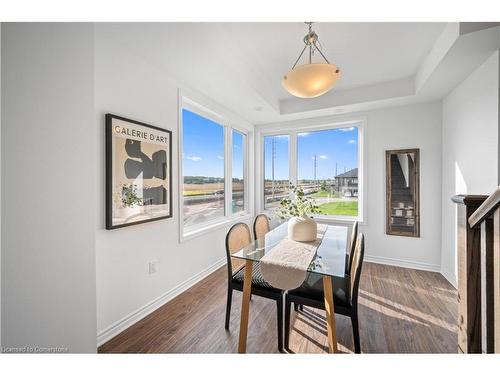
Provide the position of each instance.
(156, 166)
(138, 172)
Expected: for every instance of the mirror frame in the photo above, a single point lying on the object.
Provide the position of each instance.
(416, 197)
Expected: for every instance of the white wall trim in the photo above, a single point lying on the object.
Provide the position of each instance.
(403, 263)
(291, 128)
(226, 120)
(448, 275)
(124, 323)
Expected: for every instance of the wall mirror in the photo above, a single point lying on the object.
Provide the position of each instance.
(402, 192)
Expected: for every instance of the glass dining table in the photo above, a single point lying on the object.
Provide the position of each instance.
(329, 261)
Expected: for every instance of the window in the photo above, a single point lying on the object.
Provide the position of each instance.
(276, 170)
(213, 169)
(327, 170)
(238, 166)
(203, 169)
(326, 163)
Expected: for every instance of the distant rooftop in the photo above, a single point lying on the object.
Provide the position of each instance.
(353, 173)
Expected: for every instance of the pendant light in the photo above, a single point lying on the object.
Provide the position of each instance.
(313, 79)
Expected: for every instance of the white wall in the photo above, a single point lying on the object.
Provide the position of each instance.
(128, 86)
(415, 126)
(470, 148)
(48, 191)
(412, 126)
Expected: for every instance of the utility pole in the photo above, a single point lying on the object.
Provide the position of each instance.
(315, 166)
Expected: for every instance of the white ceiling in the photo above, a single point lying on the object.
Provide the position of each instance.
(240, 65)
(366, 53)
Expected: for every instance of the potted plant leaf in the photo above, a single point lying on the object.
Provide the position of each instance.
(130, 200)
(298, 211)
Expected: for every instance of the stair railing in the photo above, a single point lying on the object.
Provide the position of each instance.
(478, 258)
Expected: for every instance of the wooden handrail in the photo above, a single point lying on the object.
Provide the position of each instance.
(486, 209)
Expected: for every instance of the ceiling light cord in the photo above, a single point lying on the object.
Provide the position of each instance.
(298, 58)
(310, 40)
(310, 80)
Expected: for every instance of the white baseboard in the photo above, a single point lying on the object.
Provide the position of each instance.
(403, 263)
(450, 277)
(122, 324)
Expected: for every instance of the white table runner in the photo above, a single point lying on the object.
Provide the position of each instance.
(285, 266)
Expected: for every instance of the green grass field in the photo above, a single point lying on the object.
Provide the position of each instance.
(340, 208)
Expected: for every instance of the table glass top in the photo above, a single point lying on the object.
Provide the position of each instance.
(330, 254)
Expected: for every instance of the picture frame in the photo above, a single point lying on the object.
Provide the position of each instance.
(138, 172)
(403, 192)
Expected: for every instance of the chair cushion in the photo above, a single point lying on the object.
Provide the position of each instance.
(312, 288)
(257, 278)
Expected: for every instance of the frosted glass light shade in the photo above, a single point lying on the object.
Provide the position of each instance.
(311, 80)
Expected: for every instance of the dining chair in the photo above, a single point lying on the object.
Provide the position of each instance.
(237, 238)
(261, 226)
(352, 245)
(345, 294)
(348, 258)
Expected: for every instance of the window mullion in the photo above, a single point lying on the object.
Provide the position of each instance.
(245, 175)
(292, 152)
(228, 174)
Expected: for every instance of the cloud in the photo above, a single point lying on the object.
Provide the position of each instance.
(346, 129)
(193, 158)
(351, 141)
(322, 157)
(303, 134)
(220, 157)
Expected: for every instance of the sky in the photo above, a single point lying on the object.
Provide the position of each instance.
(203, 147)
(203, 150)
(334, 149)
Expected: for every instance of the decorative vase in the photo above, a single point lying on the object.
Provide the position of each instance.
(302, 228)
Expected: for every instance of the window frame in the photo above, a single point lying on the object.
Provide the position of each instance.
(185, 102)
(292, 129)
(245, 172)
(263, 166)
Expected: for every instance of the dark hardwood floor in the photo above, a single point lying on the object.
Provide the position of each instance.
(401, 311)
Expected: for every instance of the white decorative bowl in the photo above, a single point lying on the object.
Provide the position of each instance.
(302, 229)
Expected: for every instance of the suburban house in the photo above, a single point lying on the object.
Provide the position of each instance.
(347, 182)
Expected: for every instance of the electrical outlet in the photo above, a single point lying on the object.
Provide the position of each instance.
(153, 266)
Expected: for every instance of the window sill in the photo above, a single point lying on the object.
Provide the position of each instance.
(346, 220)
(190, 234)
(339, 220)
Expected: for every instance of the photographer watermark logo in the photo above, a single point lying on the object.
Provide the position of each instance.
(33, 349)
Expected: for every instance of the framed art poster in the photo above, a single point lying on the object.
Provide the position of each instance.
(138, 172)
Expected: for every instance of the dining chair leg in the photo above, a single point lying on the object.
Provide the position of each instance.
(228, 306)
(288, 307)
(355, 332)
(295, 307)
(279, 310)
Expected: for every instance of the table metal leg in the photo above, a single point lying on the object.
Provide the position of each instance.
(330, 313)
(245, 306)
